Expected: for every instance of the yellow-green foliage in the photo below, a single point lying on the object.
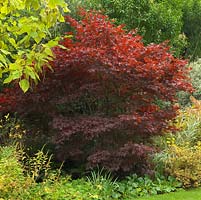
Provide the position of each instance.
(189, 114)
(37, 165)
(12, 180)
(18, 184)
(11, 130)
(15, 184)
(188, 122)
(188, 125)
(26, 39)
(184, 163)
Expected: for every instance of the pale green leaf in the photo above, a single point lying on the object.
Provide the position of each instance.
(62, 47)
(30, 72)
(3, 59)
(8, 80)
(16, 74)
(14, 66)
(5, 52)
(24, 85)
(48, 52)
(12, 41)
(51, 43)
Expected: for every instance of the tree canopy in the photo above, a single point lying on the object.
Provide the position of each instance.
(26, 38)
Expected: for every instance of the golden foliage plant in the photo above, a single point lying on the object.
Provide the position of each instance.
(180, 154)
(184, 163)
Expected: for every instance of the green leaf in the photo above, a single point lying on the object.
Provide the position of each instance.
(24, 85)
(51, 43)
(3, 59)
(54, 3)
(5, 52)
(48, 52)
(4, 10)
(16, 74)
(29, 71)
(12, 41)
(8, 80)
(14, 66)
(62, 47)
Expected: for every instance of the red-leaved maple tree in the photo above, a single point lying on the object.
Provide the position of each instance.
(107, 94)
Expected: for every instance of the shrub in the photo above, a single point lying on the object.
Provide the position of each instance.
(14, 184)
(12, 130)
(100, 103)
(191, 27)
(134, 186)
(12, 180)
(180, 155)
(184, 97)
(188, 122)
(37, 166)
(184, 164)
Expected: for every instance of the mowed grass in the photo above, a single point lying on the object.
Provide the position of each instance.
(194, 194)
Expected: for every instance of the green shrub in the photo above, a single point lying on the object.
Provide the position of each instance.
(11, 129)
(195, 75)
(192, 27)
(132, 186)
(63, 189)
(37, 166)
(12, 180)
(135, 186)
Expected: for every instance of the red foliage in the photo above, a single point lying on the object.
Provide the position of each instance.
(102, 96)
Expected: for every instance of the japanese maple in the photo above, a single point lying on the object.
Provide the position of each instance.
(107, 94)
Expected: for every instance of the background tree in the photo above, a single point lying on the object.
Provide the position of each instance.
(177, 21)
(26, 38)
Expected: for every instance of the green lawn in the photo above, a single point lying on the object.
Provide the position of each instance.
(181, 195)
